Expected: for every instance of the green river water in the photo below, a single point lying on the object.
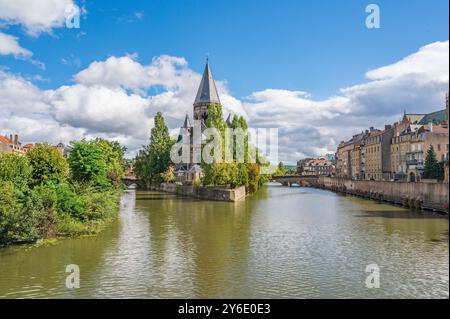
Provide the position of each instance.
(280, 243)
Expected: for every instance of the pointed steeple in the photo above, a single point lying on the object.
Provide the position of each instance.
(207, 91)
(187, 122)
(229, 120)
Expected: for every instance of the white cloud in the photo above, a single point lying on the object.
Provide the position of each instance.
(431, 62)
(9, 45)
(118, 97)
(37, 17)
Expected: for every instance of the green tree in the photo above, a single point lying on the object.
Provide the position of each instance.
(113, 153)
(47, 165)
(281, 170)
(431, 164)
(169, 175)
(159, 149)
(253, 177)
(88, 163)
(16, 169)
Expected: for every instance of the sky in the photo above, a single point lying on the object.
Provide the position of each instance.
(312, 69)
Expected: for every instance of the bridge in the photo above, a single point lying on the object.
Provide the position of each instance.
(289, 180)
(129, 180)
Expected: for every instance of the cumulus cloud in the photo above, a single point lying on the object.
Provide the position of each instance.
(9, 45)
(308, 127)
(118, 97)
(37, 17)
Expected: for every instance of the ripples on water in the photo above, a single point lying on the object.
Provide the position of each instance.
(280, 243)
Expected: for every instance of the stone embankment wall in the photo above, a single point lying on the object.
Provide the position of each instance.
(210, 193)
(431, 196)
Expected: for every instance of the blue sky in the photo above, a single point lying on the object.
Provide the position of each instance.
(310, 68)
(314, 46)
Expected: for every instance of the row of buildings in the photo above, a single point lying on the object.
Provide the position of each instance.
(316, 166)
(396, 152)
(12, 144)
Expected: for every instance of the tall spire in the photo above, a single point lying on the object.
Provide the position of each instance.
(207, 91)
(187, 122)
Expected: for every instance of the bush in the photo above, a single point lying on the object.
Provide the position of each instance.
(70, 203)
(47, 165)
(16, 223)
(42, 205)
(16, 169)
(100, 206)
(88, 164)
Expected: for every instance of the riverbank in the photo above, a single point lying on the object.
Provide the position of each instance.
(202, 192)
(428, 196)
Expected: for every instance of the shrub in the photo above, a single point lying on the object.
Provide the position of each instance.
(100, 205)
(16, 224)
(88, 164)
(47, 165)
(42, 205)
(16, 169)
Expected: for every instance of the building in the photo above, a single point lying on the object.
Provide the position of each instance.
(397, 152)
(410, 144)
(317, 167)
(301, 164)
(189, 171)
(350, 156)
(11, 145)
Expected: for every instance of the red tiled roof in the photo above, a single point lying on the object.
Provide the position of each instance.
(5, 140)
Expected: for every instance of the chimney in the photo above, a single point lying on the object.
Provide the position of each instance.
(387, 127)
(11, 138)
(371, 129)
(16, 139)
(431, 127)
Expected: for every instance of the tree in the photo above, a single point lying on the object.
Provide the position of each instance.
(16, 224)
(113, 153)
(47, 165)
(169, 175)
(16, 169)
(431, 164)
(281, 170)
(88, 163)
(154, 159)
(253, 177)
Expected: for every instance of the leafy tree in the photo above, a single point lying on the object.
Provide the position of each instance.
(13, 225)
(281, 170)
(113, 153)
(88, 163)
(253, 177)
(431, 164)
(154, 159)
(169, 175)
(16, 169)
(47, 165)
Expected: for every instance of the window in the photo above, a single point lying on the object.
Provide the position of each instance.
(439, 147)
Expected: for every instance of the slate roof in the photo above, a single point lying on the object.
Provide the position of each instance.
(207, 91)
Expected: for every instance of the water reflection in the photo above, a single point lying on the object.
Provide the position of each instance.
(281, 242)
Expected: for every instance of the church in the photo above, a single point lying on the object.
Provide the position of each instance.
(190, 171)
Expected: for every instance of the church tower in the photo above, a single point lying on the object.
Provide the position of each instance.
(206, 94)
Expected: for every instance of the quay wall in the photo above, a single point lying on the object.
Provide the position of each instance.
(209, 193)
(432, 196)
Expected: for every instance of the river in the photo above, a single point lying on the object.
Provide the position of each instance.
(280, 243)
